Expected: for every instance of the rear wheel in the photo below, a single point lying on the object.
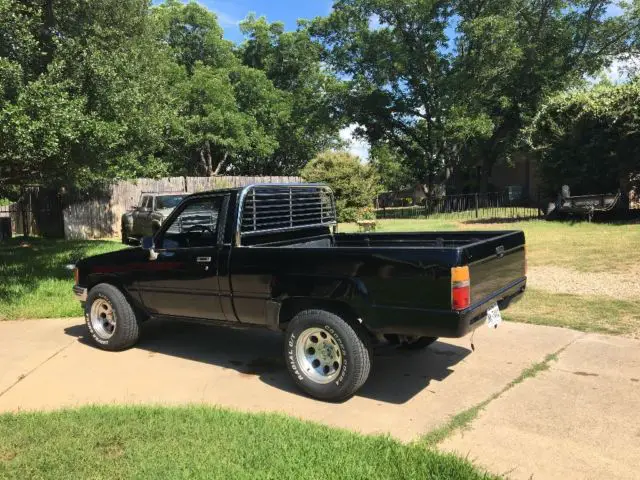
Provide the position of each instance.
(112, 322)
(328, 357)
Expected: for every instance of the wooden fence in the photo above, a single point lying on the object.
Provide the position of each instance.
(99, 216)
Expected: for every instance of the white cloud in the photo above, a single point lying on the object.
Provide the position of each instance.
(226, 20)
(355, 146)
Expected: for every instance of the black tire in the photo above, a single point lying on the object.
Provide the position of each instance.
(354, 349)
(410, 343)
(126, 329)
(125, 235)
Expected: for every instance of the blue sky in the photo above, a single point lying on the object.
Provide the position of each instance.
(288, 11)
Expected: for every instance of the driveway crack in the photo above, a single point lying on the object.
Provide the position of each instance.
(25, 375)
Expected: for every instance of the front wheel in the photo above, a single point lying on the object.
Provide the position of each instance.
(125, 235)
(112, 322)
(327, 357)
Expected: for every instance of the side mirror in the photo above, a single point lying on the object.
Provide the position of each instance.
(147, 244)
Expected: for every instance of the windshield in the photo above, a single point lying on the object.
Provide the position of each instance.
(168, 201)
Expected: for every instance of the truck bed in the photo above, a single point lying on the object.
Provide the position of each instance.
(400, 276)
(495, 258)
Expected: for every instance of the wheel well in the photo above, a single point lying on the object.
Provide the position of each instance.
(292, 306)
(113, 281)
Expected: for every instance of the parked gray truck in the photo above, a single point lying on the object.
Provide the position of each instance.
(145, 218)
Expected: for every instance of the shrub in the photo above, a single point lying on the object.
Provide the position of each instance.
(355, 185)
(590, 140)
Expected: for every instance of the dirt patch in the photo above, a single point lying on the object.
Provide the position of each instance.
(111, 449)
(7, 455)
(565, 280)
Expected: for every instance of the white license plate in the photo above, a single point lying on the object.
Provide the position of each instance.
(493, 317)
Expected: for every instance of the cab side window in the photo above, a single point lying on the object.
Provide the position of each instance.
(195, 226)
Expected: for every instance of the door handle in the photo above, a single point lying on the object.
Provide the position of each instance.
(203, 259)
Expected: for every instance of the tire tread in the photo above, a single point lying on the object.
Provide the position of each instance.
(128, 328)
(357, 336)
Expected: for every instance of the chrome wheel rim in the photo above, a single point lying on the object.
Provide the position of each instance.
(319, 355)
(102, 318)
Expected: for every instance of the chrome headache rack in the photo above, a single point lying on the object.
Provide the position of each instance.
(279, 208)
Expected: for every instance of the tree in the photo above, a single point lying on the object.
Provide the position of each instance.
(392, 53)
(89, 103)
(393, 172)
(355, 185)
(590, 139)
(229, 117)
(293, 63)
(512, 55)
(446, 100)
(193, 35)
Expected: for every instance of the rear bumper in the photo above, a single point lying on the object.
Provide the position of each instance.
(80, 293)
(443, 323)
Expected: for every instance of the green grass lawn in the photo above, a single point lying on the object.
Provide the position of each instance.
(204, 442)
(35, 283)
(587, 313)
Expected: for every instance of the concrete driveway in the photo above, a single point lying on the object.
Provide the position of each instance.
(576, 420)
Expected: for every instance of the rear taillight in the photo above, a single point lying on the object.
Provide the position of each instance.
(76, 275)
(460, 288)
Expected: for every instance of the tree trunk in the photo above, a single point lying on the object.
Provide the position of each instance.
(221, 164)
(205, 159)
(487, 165)
(625, 189)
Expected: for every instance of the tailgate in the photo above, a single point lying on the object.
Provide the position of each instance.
(495, 263)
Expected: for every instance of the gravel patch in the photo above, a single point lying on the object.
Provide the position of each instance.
(565, 280)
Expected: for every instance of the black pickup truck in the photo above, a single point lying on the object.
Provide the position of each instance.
(270, 256)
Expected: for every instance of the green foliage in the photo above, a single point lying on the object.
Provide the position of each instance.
(447, 102)
(590, 139)
(394, 173)
(92, 103)
(109, 89)
(355, 185)
(96, 91)
(292, 61)
(512, 55)
(193, 35)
